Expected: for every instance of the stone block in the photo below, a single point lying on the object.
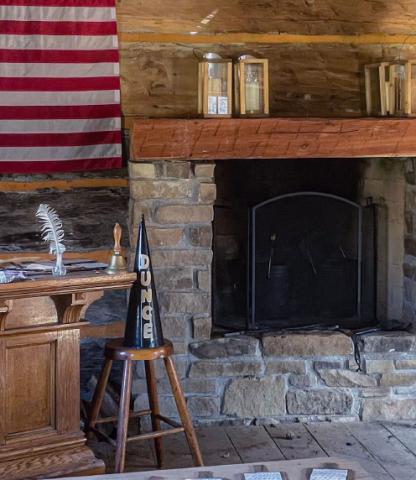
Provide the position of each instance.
(139, 387)
(178, 169)
(184, 214)
(142, 170)
(307, 344)
(398, 378)
(222, 368)
(321, 365)
(200, 236)
(378, 366)
(141, 189)
(302, 381)
(168, 406)
(181, 258)
(205, 170)
(274, 366)
(319, 402)
(141, 402)
(164, 237)
(201, 327)
(191, 386)
(225, 347)
(181, 363)
(175, 326)
(204, 406)
(207, 192)
(391, 409)
(250, 397)
(177, 302)
(372, 392)
(406, 364)
(389, 342)
(174, 279)
(346, 378)
(180, 345)
(204, 280)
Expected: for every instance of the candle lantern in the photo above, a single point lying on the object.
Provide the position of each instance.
(215, 86)
(252, 86)
(389, 88)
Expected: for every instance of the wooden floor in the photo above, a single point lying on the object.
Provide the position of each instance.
(387, 451)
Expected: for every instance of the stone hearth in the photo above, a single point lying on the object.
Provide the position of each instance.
(279, 376)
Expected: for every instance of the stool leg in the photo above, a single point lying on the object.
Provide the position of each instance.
(97, 399)
(183, 412)
(123, 417)
(154, 407)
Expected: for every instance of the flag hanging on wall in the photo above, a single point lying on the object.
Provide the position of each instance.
(59, 86)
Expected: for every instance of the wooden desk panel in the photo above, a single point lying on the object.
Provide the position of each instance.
(39, 375)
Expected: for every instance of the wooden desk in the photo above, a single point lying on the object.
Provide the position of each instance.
(40, 323)
(293, 470)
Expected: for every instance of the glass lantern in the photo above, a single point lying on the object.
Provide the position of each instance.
(215, 86)
(252, 86)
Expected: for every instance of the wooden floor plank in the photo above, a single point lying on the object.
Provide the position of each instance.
(253, 444)
(176, 452)
(139, 455)
(386, 448)
(216, 447)
(295, 441)
(406, 434)
(336, 440)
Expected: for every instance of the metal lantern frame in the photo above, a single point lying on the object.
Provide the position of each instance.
(203, 92)
(240, 86)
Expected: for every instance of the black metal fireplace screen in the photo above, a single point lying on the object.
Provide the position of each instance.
(311, 262)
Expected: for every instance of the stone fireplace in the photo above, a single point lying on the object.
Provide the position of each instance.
(332, 248)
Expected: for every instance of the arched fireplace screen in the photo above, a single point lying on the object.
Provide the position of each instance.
(306, 262)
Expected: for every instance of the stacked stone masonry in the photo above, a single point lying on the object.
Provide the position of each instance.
(280, 377)
(177, 200)
(309, 376)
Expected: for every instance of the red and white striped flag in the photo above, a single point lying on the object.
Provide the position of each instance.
(59, 86)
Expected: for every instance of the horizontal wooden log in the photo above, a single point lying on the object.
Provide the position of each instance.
(63, 185)
(272, 138)
(288, 16)
(270, 38)
(305, 80)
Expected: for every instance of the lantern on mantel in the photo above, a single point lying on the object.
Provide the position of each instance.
(252, 86)
(390, 88)
(215, 86)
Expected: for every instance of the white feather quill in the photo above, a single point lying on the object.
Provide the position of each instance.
(51, 228)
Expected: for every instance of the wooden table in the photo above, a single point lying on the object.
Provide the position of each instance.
(294, 470)
(40, 323)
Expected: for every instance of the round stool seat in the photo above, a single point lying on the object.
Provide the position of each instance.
(115, 350)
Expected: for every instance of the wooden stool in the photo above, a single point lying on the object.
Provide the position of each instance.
(115, 350)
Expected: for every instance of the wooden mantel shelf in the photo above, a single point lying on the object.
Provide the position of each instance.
(272, 138)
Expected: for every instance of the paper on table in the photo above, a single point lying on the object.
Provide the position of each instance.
(263, 476)
(328, 474)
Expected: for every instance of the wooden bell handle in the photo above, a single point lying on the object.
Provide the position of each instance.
(117, 238)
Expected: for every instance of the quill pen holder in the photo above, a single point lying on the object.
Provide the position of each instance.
(59, 269)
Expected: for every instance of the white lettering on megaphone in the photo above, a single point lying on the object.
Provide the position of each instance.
(144, 261)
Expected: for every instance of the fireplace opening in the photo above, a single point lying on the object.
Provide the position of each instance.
(307, 261)
(296, 244)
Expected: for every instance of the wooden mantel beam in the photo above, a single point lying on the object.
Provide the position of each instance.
(272, 138)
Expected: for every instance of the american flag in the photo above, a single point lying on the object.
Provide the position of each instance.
(59, 86)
